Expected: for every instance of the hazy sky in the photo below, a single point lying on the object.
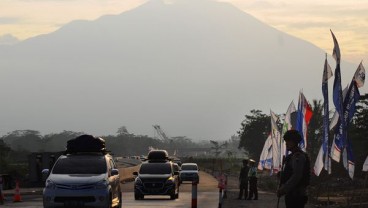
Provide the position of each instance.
(306, 19)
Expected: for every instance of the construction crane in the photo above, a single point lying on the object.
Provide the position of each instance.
(161, 134)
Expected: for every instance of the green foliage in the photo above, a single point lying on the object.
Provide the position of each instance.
(315, 128)
(217, 147)
(4, 152)
(253, 132)
(358, 133)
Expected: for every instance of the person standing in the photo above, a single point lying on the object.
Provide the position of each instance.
(295, 173)
(252, 175)
(243, 180)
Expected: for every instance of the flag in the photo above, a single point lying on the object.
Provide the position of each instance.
(265, 152)
(303, 118)
(335, 118)
(350, 101)
(323, 159)
(359, 75)
(365, 165)
(285, 127)
(318, 165)
(336, 50)
(338, 100)
(275, 135)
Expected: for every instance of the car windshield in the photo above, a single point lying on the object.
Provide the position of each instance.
(189, 167)
(155, 168)
(80, 165)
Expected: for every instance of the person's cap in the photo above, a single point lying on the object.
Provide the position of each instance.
(252, 161)
(292, 135)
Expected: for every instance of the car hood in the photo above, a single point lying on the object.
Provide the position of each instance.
(154, 176)
(76, 178)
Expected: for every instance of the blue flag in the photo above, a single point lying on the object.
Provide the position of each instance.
(337, 98)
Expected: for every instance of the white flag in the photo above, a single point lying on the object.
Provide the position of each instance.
(265, 152)
(359, 75)
(275, 135)
(318, 165)
(365, 166)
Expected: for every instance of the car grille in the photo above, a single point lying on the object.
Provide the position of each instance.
(85, 199)
(75, 187)
(153, 185)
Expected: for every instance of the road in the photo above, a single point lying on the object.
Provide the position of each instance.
(207, 196)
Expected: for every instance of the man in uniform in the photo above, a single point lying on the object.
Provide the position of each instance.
(295, 174)
(252, 175)
(243, 180)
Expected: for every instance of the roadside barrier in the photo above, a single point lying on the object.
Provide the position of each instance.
(221, 185)
(17, 197)
(194, 194)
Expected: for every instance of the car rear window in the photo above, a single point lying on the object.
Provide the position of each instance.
(155, 168)
(189, 167)
(80, 165)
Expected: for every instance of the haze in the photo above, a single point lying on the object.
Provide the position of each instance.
(195, 67)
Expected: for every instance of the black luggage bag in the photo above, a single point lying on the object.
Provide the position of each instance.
(86, 143)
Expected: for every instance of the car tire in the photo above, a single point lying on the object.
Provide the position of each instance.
(120, 199)
(138, 196)
(109, 203)
(173, 196)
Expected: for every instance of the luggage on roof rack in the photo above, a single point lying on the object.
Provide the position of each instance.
(86, 143)
(158, 155)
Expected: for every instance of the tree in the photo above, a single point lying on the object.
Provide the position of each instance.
(122, 130)
(315, 128)
(4, 150)
(358, 132)
(217, 147)
(253, 133)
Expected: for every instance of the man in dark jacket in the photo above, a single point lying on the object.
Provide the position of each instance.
(243, 180)
(295, 174)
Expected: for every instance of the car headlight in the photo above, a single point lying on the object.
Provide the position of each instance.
(138, 181)
(50, 184)
(170, 180)
(102, 185)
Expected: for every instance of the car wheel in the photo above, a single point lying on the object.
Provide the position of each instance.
(120, 199)
(137, 197)
(109, 203)
(173, 196)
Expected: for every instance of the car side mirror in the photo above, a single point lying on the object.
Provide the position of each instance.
(176, 172)
(45, 174)
(135, 173)
(114, 172)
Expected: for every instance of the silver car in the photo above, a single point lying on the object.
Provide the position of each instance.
(82, 180)
(189, 172)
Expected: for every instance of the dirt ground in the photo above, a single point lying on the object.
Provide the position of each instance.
(265, 199)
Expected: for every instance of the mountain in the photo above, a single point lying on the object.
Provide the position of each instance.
(195, 67)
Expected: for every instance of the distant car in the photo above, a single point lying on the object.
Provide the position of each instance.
(177, 169)
(177, 161)
(189, 172)
(156, 178)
